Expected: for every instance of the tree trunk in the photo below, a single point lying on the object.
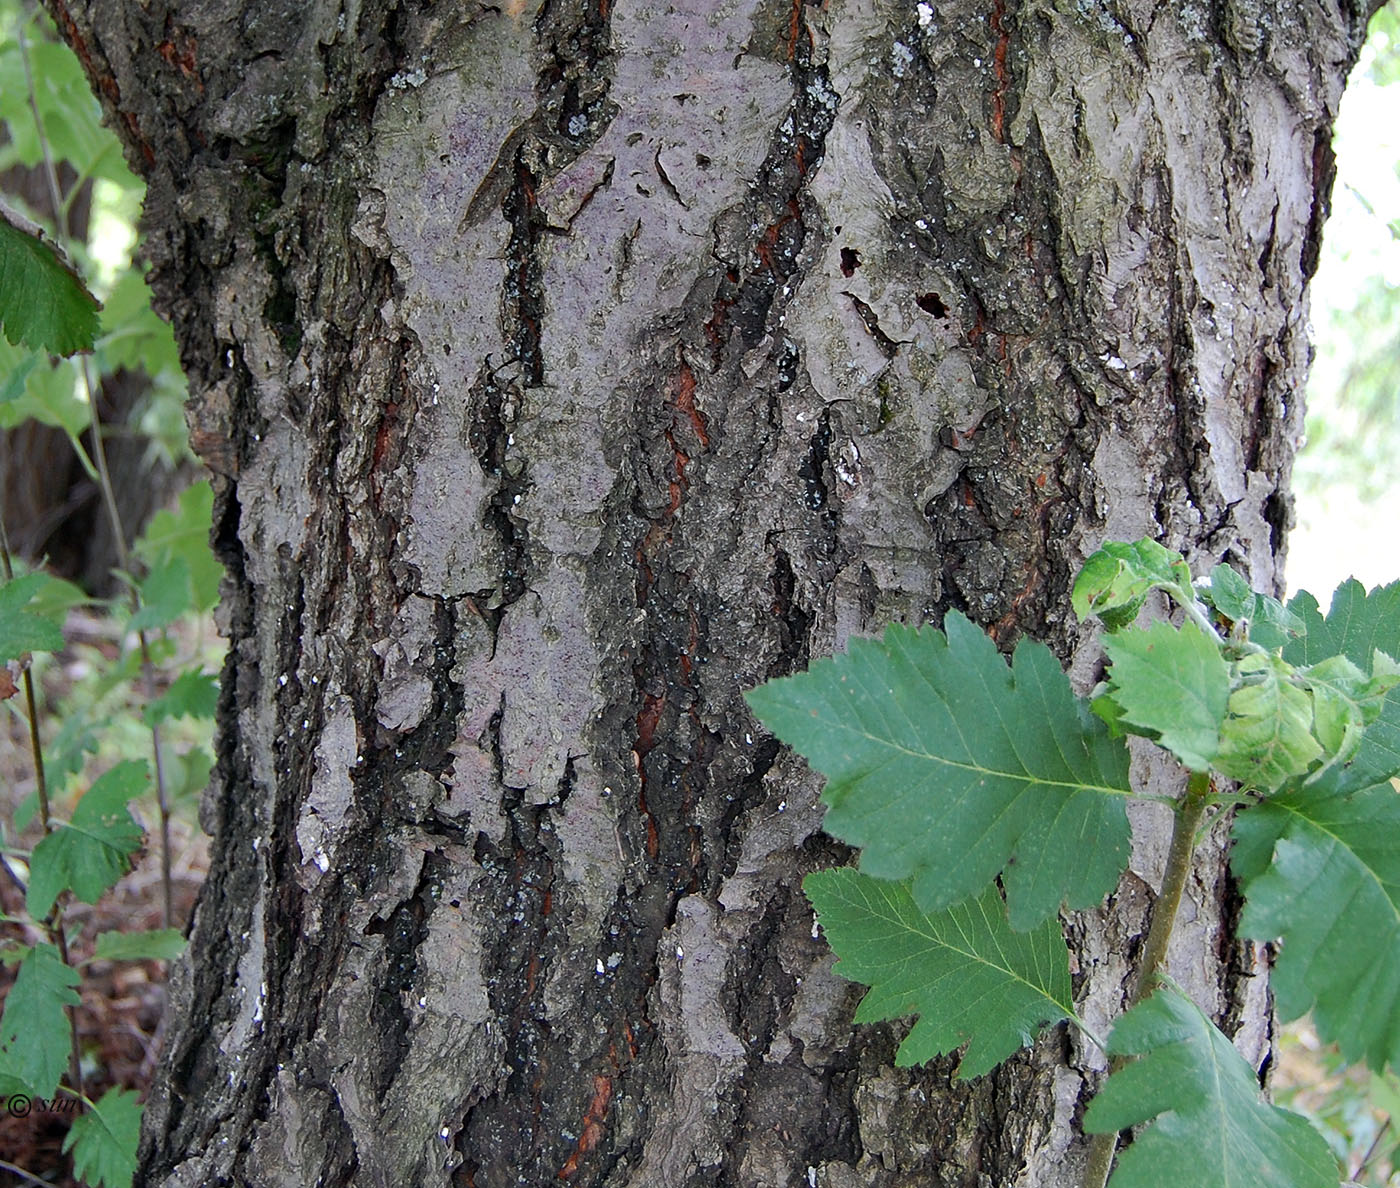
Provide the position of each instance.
(568, 369)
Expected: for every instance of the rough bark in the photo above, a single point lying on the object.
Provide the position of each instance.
(569, 368)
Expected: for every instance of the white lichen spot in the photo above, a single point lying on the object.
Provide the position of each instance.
(409, 78)
(782, 806)
(748, 738)
(811, 1177)
(1114, 362)
(282, 680)
(680, 955)
(925, 12)
(322, 860)
(578, 125)
(816, 929)
(900, 58)
(614, 960)
(598, 967)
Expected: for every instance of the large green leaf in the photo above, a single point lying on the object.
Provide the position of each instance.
(1357, 626)
(968, 977)
(1213, 1128)
(103, 1140)
(35, 1038)
(1322, 872)
(950, 768)
(1174, 684)
(91, 852)
(43, 302)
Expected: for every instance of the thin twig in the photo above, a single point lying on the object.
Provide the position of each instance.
(14, 1170)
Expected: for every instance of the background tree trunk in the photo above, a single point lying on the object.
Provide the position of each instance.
(569, 368)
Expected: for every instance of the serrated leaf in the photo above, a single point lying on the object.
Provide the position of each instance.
(43, 302)
(1322, 872)
(191, 695)
(1173, 684)
(22, 630)
(103, 1140)
(1266, 737)
(90, 853)
(1213, 1128)
(950, 768)
(1271, 625)
(1346, 701)
(1357, 626)
(964, 972)
(1116, 580)
(48, 393)
(1230, 594)
(35, 1038)
(160, 944)
(184, 533)
(165, 596)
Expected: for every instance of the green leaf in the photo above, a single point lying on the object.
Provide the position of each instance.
(191, 695)
(1271, 625)
(1357, 626)
(1266, 737)
(21, 630)
(165, 596)
(103, 1140)
(35, 1038)
(14, 383)
(184, 533)
(43, 302)
(968, 977)
(1116, 580)
(1213, 1128)
(91, 852)
(1172, 684)
(1230, 594)
(1346, 701)
(950, 768)
(160, 944)
(133, 335)
(1322, 872)
(187, 774)
(48, 393)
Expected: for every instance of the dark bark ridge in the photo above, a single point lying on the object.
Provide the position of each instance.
(567, 369)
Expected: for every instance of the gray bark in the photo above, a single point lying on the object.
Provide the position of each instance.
(568, 369)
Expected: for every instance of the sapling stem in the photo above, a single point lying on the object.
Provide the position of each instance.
(104, 480)
(1189, 812)
(53, 925)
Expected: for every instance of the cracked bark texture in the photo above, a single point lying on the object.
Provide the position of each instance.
(567, 368)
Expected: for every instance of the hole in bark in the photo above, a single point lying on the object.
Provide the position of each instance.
(931, 303)
(850, 261)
